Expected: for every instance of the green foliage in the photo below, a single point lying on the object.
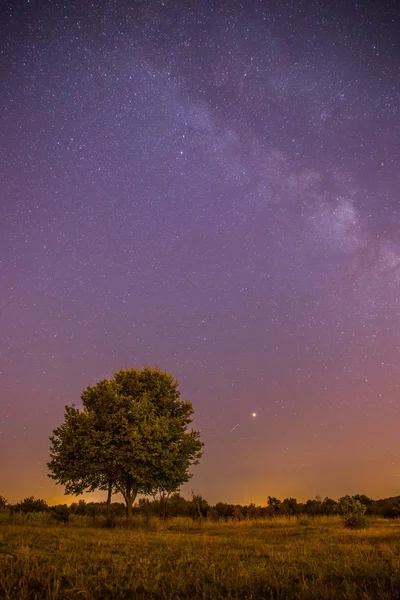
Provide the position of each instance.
(224, 510)
(237, 514)
(367, 502)
(78, 508)
(31, 505)
(390, 509)
(177, 506)
(253, 512)
(60, 513)
(131, 436)
(353, 512)
(328, 506)
(273, 505)
(198, 507)
(289, 507)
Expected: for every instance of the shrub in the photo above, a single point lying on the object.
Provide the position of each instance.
(60, 513)
(212, 514)
(390, 510)
(31, 505)
(237, 514)
(353, 512)
(198, 507)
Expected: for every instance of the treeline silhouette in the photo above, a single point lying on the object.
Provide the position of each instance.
(198, 508)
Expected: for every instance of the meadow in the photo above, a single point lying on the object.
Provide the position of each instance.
(281, 558)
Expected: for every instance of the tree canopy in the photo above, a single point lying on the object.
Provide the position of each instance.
(131, 436)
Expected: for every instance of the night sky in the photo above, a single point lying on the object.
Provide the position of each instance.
(213, 188)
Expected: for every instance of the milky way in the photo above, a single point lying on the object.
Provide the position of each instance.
(212, 188)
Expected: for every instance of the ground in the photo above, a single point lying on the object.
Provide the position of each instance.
(300, 559)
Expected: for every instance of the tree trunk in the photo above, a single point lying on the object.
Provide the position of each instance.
(109, 494)
(129, 494)
(130, 499)
(129, 513)
(108, 504)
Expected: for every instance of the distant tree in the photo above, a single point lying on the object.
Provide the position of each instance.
(131, 437)
(3, 502)
(198, 507)
(389, 507)
(237, 513)
(273, 505)
(253, 511)
(224, 510)
(329, 506)
(160, 503)
(367, 502)
(212, 514)
(289, 507)
(78, 508)
(178, 506)
(313, 507)
(31, 505)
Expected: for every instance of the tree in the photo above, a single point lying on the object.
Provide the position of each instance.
(130, 437)
(31, 505)
(198, 507)
(224, 510)
(273, 505)
(329, 506)
(237, 514)
(313, 507)
(253, 511)
(289, 507)
(178, 506)
(367, 502)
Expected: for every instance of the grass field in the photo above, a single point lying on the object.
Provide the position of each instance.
(282, 558)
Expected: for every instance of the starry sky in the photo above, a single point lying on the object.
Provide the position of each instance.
(214, 188)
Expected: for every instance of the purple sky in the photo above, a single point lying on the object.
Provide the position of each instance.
(213, 188)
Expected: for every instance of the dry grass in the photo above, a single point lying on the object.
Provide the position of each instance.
(293, 559)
